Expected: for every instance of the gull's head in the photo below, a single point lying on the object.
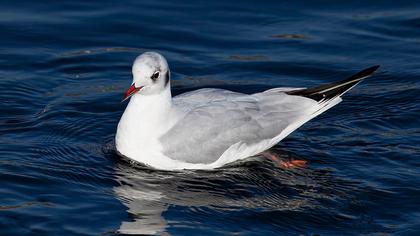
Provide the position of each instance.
(150, 75)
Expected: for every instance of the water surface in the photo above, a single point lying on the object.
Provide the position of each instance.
(64, 67)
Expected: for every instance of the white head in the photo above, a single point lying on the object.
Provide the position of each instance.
(150, 75)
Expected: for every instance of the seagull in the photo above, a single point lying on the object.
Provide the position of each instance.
(208, 128)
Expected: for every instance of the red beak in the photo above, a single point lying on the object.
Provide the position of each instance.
(130, 92)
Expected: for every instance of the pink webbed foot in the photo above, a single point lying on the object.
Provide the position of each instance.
(287, 164)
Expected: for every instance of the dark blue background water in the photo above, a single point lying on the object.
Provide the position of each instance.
(65, 65)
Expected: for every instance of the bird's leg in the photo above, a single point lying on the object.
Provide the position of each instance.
(288, 164)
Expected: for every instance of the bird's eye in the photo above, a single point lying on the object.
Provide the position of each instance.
(155, 75)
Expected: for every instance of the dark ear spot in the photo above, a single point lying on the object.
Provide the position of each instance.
(167, 76)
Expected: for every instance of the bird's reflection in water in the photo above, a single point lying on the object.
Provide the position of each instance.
(144, 199)
(254, 185)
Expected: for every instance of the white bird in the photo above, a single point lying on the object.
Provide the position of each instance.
(208, 128)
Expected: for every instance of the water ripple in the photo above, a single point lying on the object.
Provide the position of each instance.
(64, 67)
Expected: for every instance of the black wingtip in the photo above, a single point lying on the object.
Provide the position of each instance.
(363, 73)
(333, 90)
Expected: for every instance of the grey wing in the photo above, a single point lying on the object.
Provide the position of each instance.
(190, 100)
(210, 128)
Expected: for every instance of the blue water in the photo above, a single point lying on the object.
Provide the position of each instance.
(65, 65)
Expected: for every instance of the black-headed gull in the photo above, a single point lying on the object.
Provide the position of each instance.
(208, 128)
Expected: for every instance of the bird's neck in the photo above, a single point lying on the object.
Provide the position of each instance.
(146, 107)
(143, 122)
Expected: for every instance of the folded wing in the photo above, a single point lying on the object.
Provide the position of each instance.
(209, 128)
